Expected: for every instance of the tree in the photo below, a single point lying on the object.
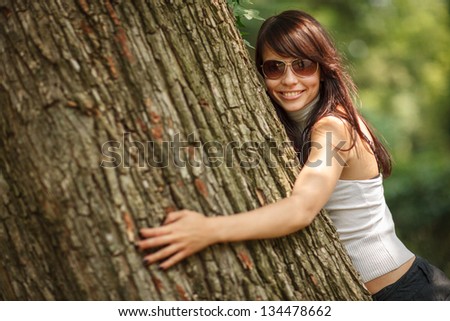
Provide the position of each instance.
(116, 113)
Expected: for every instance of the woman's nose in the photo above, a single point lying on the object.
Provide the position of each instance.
(289, 78)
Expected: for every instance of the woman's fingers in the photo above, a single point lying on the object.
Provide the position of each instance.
(175, 216)
(163, 253)
(164, 229)
(174, 259)
(153, 231)
(182, 234)
(155, 241)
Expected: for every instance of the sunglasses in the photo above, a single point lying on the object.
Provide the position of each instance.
(274, 69)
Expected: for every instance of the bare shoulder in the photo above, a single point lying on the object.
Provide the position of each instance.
(334, 125)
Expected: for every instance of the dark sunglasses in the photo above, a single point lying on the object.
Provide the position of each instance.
(274, 69)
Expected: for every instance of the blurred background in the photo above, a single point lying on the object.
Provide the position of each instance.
(398, 52)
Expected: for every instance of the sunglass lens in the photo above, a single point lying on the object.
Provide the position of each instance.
(304, 67)
(273, 68)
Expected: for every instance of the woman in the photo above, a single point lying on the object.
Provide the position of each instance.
(313, 97)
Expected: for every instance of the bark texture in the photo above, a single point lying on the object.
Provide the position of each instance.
(91, 92)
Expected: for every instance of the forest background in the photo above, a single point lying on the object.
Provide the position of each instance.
(397, 51)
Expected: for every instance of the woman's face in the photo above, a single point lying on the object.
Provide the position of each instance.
(290, 91)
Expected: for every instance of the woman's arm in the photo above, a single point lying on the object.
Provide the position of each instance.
(186, 232)
(311, 191)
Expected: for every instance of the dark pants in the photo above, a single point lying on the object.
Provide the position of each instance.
(422, 282)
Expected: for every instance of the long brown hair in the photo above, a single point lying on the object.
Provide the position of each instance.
(294, 33)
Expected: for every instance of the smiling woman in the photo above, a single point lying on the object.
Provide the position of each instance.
(312, 94)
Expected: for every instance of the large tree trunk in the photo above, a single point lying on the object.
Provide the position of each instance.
(91, 92)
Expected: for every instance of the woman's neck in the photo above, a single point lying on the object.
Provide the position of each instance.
(300, 117)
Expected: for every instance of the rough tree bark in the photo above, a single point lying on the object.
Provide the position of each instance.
(90, 92)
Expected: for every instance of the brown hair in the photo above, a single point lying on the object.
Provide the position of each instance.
(295, 33)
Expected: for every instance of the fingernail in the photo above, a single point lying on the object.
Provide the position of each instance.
(137, 247)
(146, 262)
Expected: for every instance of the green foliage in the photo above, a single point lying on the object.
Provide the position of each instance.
(418, 198)
(241, 13)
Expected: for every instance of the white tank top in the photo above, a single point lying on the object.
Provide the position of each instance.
(358, 210)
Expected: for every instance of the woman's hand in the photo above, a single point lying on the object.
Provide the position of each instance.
(183, 233)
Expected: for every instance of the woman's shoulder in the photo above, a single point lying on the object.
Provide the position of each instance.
(333, 123)
(335, 130)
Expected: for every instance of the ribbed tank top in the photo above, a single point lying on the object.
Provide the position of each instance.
(364, 222)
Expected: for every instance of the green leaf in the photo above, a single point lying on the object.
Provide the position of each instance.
(240, 13)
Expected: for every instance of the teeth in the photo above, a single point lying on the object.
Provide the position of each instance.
(291, 93)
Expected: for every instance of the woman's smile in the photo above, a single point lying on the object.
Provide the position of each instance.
(291, 95)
